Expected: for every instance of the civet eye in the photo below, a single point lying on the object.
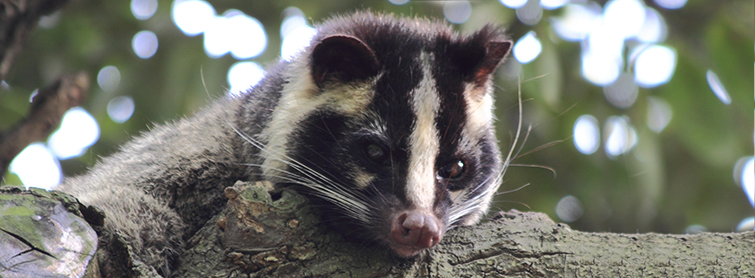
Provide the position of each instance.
(375, 152)
(452, 170)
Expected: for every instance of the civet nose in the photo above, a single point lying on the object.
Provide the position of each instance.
(416, 229)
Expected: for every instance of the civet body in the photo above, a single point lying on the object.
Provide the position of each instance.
(385, 122)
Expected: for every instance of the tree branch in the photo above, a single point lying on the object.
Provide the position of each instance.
(278, 234)
(260, 240)
(44, 115)
(17, 20)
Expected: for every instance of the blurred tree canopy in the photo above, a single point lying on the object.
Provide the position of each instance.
(681, 176)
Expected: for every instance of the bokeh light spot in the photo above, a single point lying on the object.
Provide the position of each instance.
(120, 108)
(143, 9)
(192, 16)
(659, 114)
(144, 44)
(78, 130)
(108, 78)
(527, 48)
(51, 20)
(295, 33)
(457, 12)
(654, 30)
(398, 2)
(717, 87)
(599, 69)
(624, 17)
(514, 4)
(744, 176)
(531, 13)
(602, 58)
(623, 92)
(620, 136)
(604, 41)
(586, 134)
(235, 32)
(747, 224)
(576, 21)
(37, 167)
(553, 4)
(33, 95)
(569, 209)
(296, 41)
(294, 18)
(748, 180)
(217, 37)
(671, 4)
(248, 39)
(654, 66)
(244, 75)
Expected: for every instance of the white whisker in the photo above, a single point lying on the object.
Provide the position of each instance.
(353, 203)
(474, 202)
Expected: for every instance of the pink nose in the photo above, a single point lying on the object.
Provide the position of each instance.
(416, 229)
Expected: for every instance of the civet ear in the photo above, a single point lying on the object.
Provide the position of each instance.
(477, 56)
(495, 51)
(342, 58)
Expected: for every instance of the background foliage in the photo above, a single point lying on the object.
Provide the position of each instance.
(671, 180)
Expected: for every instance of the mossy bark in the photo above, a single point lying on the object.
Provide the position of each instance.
(43, 234)
(267, 233)
(512, 244)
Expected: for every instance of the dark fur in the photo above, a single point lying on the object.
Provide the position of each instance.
(179, 170)
(330, 142)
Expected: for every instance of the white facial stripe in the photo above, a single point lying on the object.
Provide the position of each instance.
(291, 108)
(424, 141)
(299, 98)
(479, 118)
(479, 108)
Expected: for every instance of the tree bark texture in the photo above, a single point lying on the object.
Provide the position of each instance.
(44, 116)
(268, 233)
(43, 234)
(512, 244)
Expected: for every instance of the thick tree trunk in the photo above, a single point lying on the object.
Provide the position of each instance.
(513, 244)
(280, 235)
